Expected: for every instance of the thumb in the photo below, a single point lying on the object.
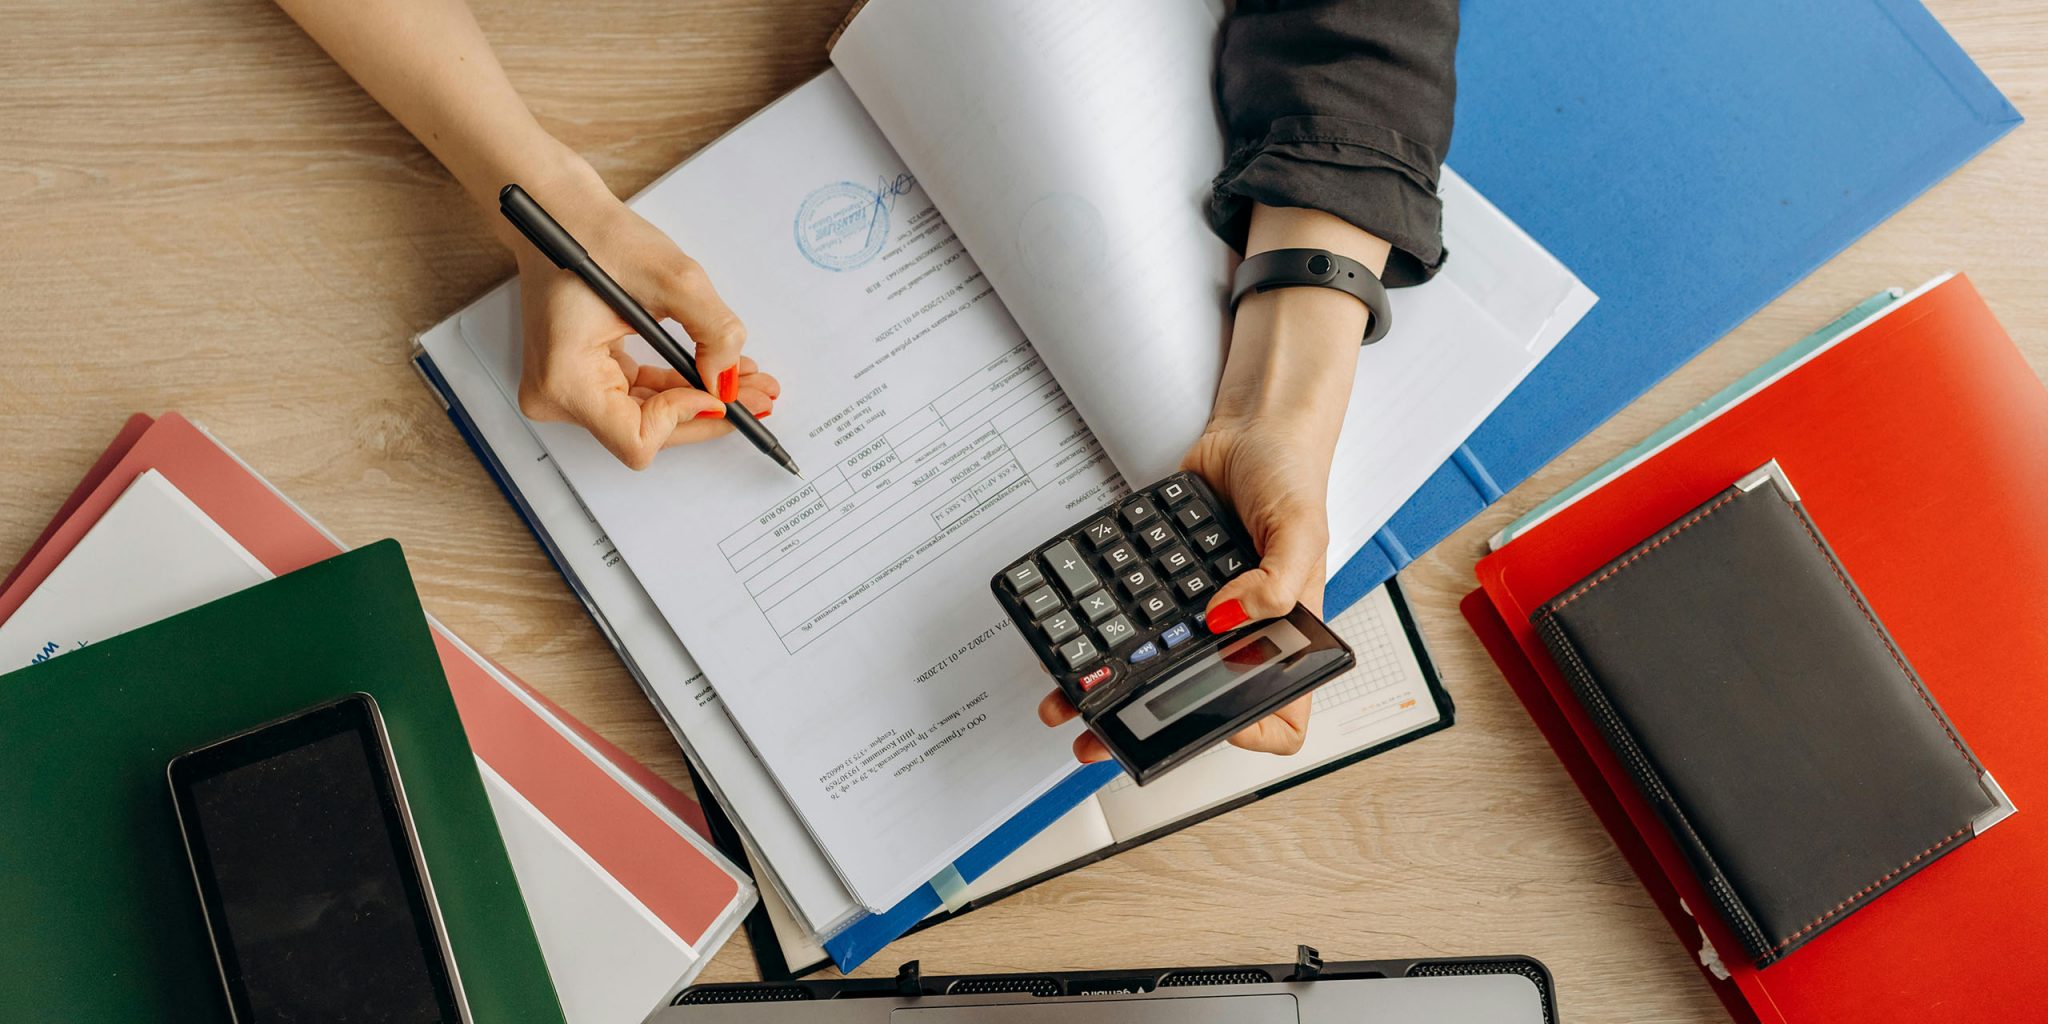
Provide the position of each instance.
(1288, 566)
(713, 327)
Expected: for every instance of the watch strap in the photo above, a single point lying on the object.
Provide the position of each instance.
(1315, 268)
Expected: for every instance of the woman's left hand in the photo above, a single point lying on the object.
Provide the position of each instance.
(1275, 476)
(1267, 451)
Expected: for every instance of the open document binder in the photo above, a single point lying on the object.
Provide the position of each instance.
(989, 332)
(1395, 696)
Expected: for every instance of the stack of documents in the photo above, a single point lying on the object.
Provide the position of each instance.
(628, 899)
(985, 326)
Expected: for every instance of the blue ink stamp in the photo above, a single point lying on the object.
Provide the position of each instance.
(843, 226)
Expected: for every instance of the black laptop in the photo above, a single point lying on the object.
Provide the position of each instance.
(1477, 990)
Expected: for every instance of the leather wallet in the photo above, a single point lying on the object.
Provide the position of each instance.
(1765, 712)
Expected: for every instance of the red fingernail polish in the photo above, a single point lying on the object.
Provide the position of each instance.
(711, 414)
(763, 414)
(729, 384)
(1227, 616)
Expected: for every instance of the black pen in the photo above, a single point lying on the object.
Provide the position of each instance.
(555, 242)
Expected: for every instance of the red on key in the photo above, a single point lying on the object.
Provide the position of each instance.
(1095, 679)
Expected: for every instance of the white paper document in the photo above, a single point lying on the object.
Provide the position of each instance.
(170, 554)
(1072, 144)
(844, 618)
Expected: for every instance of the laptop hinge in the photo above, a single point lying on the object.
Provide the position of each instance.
(909, 981)
(1308, 964)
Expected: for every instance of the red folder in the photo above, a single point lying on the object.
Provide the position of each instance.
(1919, 443)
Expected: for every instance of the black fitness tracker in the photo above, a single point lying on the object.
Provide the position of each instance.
(1319, 268)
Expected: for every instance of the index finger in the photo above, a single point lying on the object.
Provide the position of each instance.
(1282, 732)
(690, 299)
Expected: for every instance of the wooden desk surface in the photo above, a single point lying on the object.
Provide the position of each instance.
(198, 211)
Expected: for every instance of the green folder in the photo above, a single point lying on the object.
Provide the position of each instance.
(99, 920)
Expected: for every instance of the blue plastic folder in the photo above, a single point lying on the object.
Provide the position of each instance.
(1689, 162)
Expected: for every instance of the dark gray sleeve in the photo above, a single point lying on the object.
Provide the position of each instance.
(1342, 106)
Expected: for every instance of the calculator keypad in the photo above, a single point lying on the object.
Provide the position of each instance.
(1128, 586)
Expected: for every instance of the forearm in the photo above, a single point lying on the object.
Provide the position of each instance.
(428, 64)
(1343, 106)
(1294, 351)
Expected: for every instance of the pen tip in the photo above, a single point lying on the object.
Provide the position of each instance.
(793, 471)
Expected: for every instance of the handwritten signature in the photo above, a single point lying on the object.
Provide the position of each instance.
(884, 196)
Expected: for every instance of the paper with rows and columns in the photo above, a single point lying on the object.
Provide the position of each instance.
(844, 621)
(769, 827)
(1072, 144)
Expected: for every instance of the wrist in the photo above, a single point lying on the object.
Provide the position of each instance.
(1290, 227)
(555, 175)
(1294, 351)
(1293, 355)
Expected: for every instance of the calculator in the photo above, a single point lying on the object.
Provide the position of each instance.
(1114, 609)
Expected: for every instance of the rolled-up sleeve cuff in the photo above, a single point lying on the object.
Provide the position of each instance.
(1369, 175)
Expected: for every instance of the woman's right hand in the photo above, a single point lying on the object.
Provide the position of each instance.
(576, 366)
(427, 62)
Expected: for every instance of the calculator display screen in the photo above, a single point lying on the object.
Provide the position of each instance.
(1211, 677)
